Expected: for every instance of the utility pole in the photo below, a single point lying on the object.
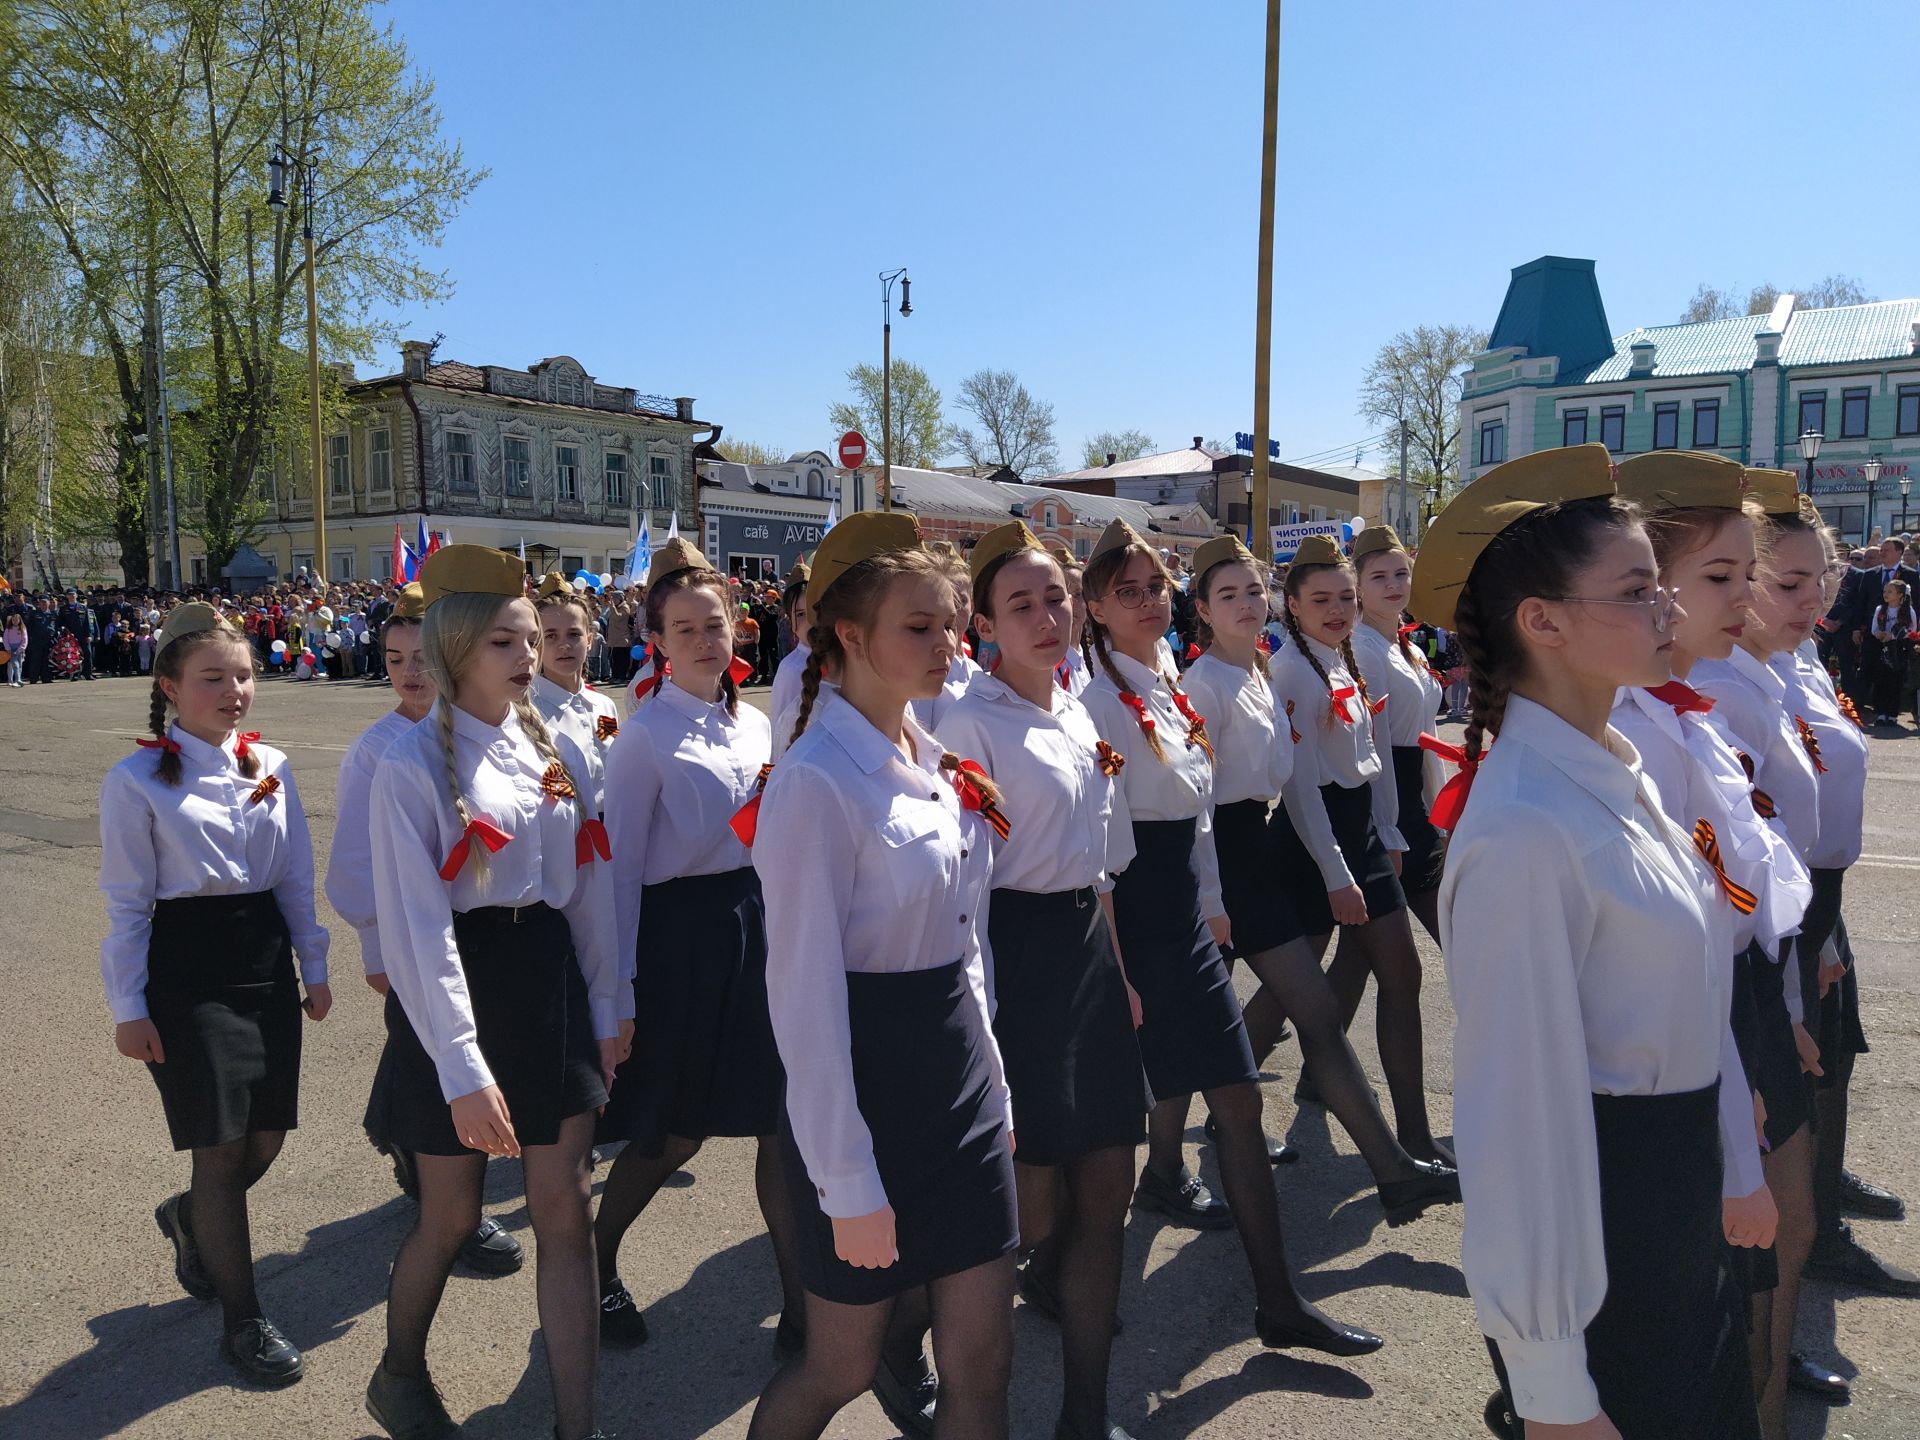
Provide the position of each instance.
(1263, 289)
(166, 448)
(276, 198)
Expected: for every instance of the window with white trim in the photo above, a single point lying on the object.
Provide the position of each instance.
(380, 461)
(660, 487)
(616, 479)
(518, 459)
(1613, 427)
(1907, 412)
(566, 471)
(340, 466)
(1573, 428)
(1706, 424)
(1493, 442)
(1666, 427)
(1853, 413)
(460, 472)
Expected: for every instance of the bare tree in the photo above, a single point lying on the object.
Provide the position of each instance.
(1836, 289)
(1122, 445)
(1762, 298)
(1415, 379)
(1016, 430)
(1709, 303)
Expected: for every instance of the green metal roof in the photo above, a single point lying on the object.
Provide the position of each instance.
(1845, 334)
(1880, 331)
(1704, 348)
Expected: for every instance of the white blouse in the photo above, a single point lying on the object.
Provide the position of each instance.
(1843, 750)
(1412, 691)
(415, 831)
(1177, 788)
(350, 862)
(1330, 750)
(204, 836)
(1581, 960)
(870, 865)
(960, 674)
(680, 771)
(1751, 700)
(1056, 797)
(1077, 675)
(1253, 756)
(578, 717)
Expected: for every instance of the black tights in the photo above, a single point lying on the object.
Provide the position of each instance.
(635, 1179)
(559, 1200)
(972, 1315)
(1074, 1217)
(1383, 947)
(216, 1216)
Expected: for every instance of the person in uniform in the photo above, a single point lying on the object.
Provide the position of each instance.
(567, 704)
(703, 1061)
(873, 850)
(961, 671)
(1253, 750)
(207, 870)
(1338, 844)
(508, 1007)
(783, 701)
(490, 1249)
(1063, 1012)
(1169, 922)
(1585, 962)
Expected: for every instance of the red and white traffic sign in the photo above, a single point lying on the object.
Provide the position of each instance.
(853, 450)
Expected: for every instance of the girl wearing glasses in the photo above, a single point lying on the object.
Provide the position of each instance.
(1585, 955)
(1170, 918)
(1337, 845)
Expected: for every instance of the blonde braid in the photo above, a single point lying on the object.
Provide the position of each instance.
(537, 732)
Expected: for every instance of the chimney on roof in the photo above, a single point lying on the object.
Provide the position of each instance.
(1915, 328)
(1766, 348)
(1112, 456)
(683, 407)
(1196, 442)
(414, 355)
(1642, 361)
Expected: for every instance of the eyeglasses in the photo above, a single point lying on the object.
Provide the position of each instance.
(1132, 597)
(1662, 605)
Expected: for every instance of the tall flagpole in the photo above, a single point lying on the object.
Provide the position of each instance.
(1263, 290)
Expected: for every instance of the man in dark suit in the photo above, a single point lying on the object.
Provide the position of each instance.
(42, 627)
(1847, 622)
(77, 620)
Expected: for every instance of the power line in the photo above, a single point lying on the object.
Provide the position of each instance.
(1339, 450)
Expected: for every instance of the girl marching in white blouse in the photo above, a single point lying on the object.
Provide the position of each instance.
(873, 849)
(207, 872)
(508, 1008)
(1586, 956)
(1170, 918)
(567, 704)
(692, 926)
(1339, 847)
(1063, 1012)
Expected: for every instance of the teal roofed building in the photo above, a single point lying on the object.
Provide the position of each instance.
(1748, 387)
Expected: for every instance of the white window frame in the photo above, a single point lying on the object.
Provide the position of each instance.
(340, 466)
(469, 483)
(341, 562)
(523, 488)
(380, 461)
(663, 484)
(566, 474)
(614, 475)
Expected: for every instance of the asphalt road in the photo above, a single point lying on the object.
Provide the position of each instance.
(99, 1340)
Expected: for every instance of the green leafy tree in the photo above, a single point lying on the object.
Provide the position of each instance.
(1415, 379)
(920, 434)
(751, 452)
(1122, 445)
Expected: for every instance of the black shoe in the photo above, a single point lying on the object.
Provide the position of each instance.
(621, 1322)
(261, 1353)
(1818, 1380)
(1863, 1197)
(1407, 1200)
(1186, 1202)
(1329, 1337)
(1499, 1415)
(408, 1407)
(404, 1174)
(1842, 1259)
(491, 1250)
(908, 1399)
(789, 1338)
(1108, 1431)
(187, 1268)
(1278, 1151)
(1039, 1294)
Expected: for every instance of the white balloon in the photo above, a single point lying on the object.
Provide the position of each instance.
(279, 647)
(606, 579)
(1359, 523)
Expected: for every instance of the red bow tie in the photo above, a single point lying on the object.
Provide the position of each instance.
(487, 833)
(590, 840)
(1339, 699)
(1683, 698)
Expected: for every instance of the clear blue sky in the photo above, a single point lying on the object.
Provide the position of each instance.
(695, 198)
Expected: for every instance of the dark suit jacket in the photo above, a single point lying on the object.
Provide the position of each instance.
(1853, 606)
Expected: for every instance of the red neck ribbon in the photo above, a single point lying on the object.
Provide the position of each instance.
(165, 743)
(1683, 698)
(590, 840)
(487, 833)
(1339, 699)
(745, 823)
(1127, 698)
(738, 670)
(1452, 798)
(1196, 722)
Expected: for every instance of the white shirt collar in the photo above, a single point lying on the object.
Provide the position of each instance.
(1143, 678)
(991, 687)
(867, 747)
(1758, 673)
(1609, 772)
(687, 703)
(479, 731)
(554, 694)
(214, 757)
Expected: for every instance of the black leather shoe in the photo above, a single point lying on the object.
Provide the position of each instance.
(1499, 1416)
(261, 1353)
(789, 1338)
(621, 1322)
(1407, 1200)
(1278, 1151)
(1329, 1338)
(187, 1268)
(1842, 1259)
(1107, 1431)
(408, 1407)
(908, 1399)
(403, 1171)
(1041, 1298)
(491, 1250)
(1186, 1202)
(1818, 1380)
(1863, 1197)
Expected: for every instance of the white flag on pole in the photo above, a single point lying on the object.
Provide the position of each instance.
(833, 516)
(642, 560)
(673, 525)
(523, 549)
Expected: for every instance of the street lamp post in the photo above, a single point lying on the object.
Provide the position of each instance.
(1872, 469)
(1906, 488)
(886, 373)
(1810, 452)
(304, 166)
(1247, 478)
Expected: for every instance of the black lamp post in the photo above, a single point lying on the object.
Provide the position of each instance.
(278, 173)
(1872, 469)
(886, 373)
(1810, 452)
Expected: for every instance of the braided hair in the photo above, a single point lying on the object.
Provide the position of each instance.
(1095, 581)
(694, 577)
(171, 664)
(1297, 577)
(854, 595)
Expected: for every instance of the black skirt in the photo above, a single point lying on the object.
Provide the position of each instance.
(703, 1060)
(1832, 1019)
(923, 1076)
(1192, 1037)
(221, 991)
(1257, 905)
(1064, 1027)
(1667, 1350)
(1351, 811)
(1775, 1070)
(531, 1021)
(1426, 853)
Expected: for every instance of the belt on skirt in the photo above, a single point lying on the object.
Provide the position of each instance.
(503, 915)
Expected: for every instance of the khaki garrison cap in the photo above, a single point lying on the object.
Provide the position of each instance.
(1374, 539)
(1682, 480)
(1116, 536)
(1478, 514)
(472, 570)
(1778, 491)
(1001, 540)
(799, 574)
(411, 603)
(185, 620)
(1318, 550)
(671, 558)
(551, 584)
(1221, 550)
(860, 536)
